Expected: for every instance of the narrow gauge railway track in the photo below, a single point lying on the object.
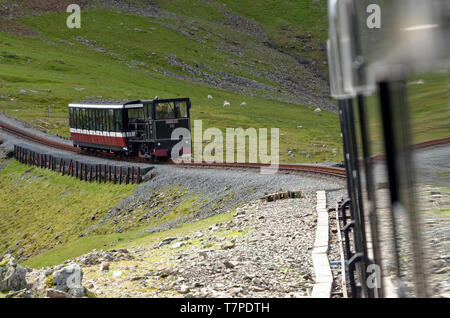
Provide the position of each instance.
(330, 171)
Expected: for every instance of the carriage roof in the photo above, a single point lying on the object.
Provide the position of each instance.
(101, 103)
(108, 104)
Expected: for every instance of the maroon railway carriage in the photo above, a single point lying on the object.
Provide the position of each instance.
(136, 127)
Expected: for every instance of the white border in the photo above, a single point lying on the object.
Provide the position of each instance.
(103, 133)
(106, 106)
(322, 270)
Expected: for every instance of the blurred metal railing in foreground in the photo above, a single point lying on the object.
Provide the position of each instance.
(413, 37)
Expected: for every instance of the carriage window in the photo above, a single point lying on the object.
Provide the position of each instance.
(148, 110)
(182, 109)
(71, 117)
(134, 113)
(94, 119)
(75, 117)
(118, 117)
(111, 120)
(89, 118)
(86, 114)
(165, 110)
(104, 120)
(83, 118)
(79, 118)
(100, 120)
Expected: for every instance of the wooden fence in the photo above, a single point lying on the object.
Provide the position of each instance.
(78, 169)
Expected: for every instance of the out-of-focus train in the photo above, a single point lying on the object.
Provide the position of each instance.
(389, 70)
(133, 128)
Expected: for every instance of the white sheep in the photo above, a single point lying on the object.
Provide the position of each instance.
(317, 111)
(243, 104)
(226, 104)
(210, 97)
(419, 82)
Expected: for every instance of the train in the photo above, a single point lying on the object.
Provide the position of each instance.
(131, 127)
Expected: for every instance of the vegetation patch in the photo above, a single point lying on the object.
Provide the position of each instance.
(12, 26)
(46, 218)
(128, 239)
(40, 210)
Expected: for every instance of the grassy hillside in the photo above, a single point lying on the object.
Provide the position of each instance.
(46, 218)
(297, 27)
(188, 48)
(41, 210)
(429, 105)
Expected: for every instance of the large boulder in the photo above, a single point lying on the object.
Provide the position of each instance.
(69, 280)
(40, 281)
(12, 275)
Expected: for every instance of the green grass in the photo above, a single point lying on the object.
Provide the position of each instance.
(124, 240)
(77, 247)
(41, 210)
(179, 231)
(299, 27)
(428, 107)
(42, 215)
(49, 62)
